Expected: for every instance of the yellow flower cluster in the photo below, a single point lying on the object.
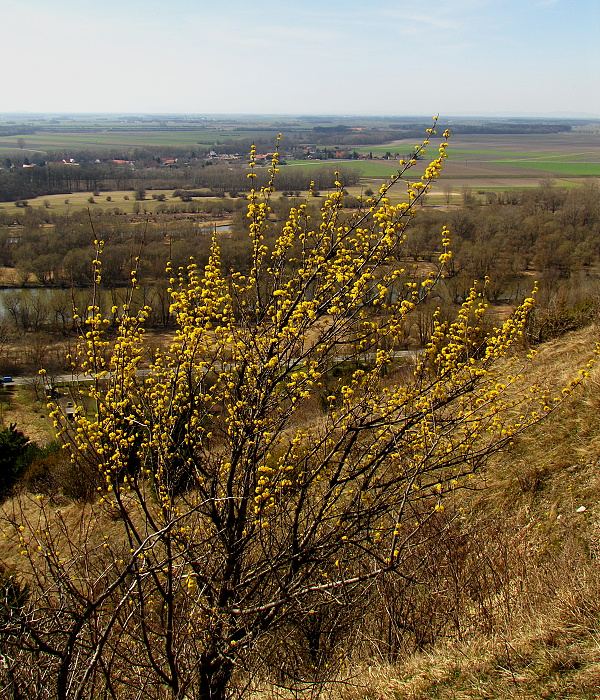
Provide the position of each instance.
(283, 413)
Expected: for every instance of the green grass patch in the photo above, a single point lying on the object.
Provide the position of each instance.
(581, 169)
(366, 168)
(405, 146)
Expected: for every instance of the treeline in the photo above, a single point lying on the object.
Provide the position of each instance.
(552, 231)
(27, 183)
(56, 251)
(550, 234)
(343, 135)
(16, 130)
(517, 127)
(347, 136)
(50, 311)
(549, 230)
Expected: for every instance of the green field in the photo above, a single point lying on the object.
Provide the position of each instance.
(580, 169)
(366, 168)
(403, 146)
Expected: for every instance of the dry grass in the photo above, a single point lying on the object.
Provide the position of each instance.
(546, 644)
(67, 203)
(551, 654)
(552, 472)
(72, 527)
(20, 406)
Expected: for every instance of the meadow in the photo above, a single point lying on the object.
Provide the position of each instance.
(109, 200)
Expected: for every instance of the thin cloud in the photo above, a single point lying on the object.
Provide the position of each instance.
(423, 20)
(276, 34)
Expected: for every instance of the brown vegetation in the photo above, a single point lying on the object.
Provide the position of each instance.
(504, 604)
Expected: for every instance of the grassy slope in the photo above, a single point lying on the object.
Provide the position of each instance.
(547, 645)
(21, 406)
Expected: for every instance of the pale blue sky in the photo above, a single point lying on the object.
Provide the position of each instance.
(376, 57)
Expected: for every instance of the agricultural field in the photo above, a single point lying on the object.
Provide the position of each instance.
(109, 139)
(479, 163)
(490, 163)
(507, 161)
(130, 133)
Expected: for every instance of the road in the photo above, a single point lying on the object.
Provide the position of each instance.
(67, 378)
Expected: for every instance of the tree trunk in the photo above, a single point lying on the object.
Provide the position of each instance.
(215, 674)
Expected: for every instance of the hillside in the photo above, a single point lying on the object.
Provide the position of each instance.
(506, 605)
(520, 612)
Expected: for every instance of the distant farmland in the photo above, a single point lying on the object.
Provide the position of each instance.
(568, 157)
(578, 169)
(495, 161)
(126, 139)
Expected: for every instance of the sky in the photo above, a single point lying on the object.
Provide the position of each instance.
(362, 57)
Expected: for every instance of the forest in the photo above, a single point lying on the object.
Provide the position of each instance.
(506, 240)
